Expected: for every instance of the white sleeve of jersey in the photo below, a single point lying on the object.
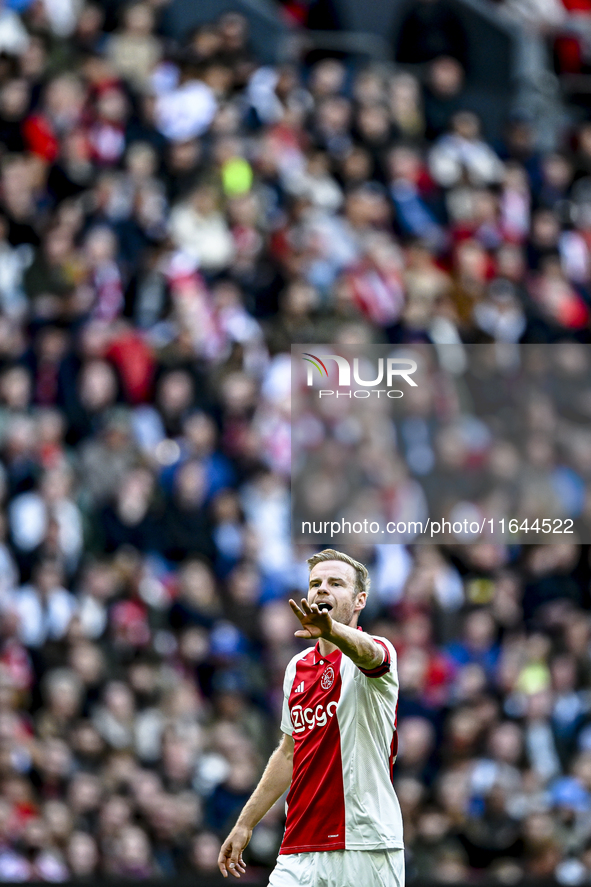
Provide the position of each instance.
(383, 678)
(286, 724)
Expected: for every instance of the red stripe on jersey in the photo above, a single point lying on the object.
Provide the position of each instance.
(383, 668)
(316, 799)
(394, 744)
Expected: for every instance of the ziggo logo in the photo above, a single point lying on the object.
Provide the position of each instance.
(311, 717)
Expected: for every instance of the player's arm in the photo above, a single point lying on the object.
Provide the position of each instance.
(273, 783)
(358, 646)
(366, 653)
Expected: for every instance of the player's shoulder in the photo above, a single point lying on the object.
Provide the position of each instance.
(387, 643)
(383, 642)
(291, 665)
(386, 672)
(302, 654)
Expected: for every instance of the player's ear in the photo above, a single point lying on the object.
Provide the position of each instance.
(360, 600)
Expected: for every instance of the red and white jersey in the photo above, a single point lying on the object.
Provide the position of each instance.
(343, 722)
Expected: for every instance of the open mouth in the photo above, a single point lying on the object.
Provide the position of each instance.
(325, 607)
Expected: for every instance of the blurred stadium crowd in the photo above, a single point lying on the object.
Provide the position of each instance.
(171, 220)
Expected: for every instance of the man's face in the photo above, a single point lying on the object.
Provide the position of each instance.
(332, 583)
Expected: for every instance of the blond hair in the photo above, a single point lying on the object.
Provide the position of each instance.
(362, 580)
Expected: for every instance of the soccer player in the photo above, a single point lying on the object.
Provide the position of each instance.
(339, 744)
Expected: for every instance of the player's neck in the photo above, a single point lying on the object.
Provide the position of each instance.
(325, 647)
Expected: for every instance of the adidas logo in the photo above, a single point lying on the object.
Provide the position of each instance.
(299, 688)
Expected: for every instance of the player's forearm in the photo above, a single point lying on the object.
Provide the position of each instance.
(359, 647)
(274, 782)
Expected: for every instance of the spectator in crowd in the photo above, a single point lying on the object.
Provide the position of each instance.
(429, 29)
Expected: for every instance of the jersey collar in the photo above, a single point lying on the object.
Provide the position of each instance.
(332, 657)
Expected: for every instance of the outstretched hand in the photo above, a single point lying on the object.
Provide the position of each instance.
(315, 623)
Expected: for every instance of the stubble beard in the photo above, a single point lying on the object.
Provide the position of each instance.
(343, 614)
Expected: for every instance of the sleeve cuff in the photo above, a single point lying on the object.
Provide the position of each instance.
(381, 669)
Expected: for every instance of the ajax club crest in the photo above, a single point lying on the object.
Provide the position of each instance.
(327, 679)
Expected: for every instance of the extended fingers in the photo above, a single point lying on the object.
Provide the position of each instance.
(296, 609)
